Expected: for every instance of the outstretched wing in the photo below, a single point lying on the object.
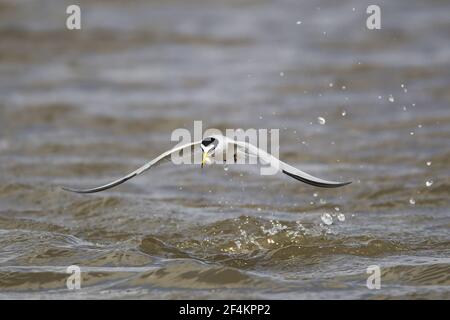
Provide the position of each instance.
(135, 173)
(284, 167)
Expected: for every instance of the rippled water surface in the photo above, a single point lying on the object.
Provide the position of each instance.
(81, 108)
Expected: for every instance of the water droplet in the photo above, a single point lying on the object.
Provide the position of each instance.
(428, 163)
(391, 98)
(353, 9)
(380, 97)
(344, 87)
(411, 133)
(321, 120)
(412, 201)
(225, 168)
(419, 126)
(341, 217)
(259, 209)
(299, 22)
(331, 85)
(344, 113)
(336, 208)
(315, 194)
(327, 219)
(429, 183)
(281, 74)
(402, 85)
(270, 241)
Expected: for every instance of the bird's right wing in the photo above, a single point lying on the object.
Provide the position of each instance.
(287, 169)
(135, 173)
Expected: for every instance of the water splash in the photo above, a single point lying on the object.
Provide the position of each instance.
(327, 219)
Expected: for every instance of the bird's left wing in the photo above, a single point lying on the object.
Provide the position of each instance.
(135, 173)
(287, 169)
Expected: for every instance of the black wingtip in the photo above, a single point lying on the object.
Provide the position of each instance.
(102, 188)
(344, 183)
(316, 183)
(74, 190)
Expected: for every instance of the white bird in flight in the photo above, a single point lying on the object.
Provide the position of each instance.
(215, 145)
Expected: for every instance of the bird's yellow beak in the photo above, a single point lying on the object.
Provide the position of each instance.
(205, 158)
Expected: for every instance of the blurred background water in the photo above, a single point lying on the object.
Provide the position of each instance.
(81, 108)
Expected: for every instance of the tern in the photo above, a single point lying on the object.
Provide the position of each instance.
(214, 145)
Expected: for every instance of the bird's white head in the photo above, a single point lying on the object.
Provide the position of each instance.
(210, 145)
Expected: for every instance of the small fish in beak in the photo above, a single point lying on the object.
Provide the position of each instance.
(205, 158)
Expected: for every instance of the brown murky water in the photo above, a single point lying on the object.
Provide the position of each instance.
(81, 108)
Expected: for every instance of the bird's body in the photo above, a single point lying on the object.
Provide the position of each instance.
(215, 147)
